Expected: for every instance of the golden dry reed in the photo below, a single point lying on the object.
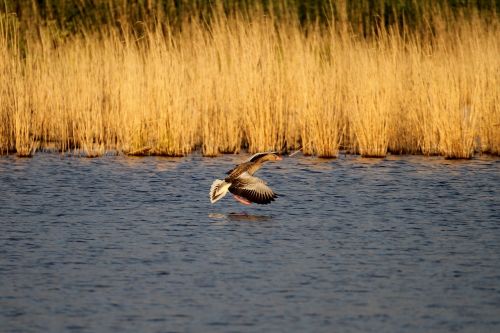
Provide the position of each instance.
(256, 84)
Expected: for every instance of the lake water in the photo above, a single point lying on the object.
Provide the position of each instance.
(120, 244)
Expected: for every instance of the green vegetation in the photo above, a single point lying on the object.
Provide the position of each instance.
(363, 16)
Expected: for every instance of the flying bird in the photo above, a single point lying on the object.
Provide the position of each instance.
(243, 185)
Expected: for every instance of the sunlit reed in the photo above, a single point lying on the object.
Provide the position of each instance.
(255, 84)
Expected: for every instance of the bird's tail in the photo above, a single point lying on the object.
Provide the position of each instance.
(218, 190)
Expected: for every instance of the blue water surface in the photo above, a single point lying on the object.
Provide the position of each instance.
(120, 244)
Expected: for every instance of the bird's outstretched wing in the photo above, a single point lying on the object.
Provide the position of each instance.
(257, 156)
(253, 189)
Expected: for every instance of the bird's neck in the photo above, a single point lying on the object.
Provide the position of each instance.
(254, 167)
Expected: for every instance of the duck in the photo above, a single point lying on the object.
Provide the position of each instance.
(243, 185)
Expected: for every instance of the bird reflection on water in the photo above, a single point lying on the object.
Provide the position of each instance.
(239, 217)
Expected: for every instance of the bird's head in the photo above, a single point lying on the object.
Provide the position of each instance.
(272, 157)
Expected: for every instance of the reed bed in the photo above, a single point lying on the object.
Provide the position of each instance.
(253, 83)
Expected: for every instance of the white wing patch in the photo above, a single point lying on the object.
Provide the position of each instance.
(253, 183)
(218, 190)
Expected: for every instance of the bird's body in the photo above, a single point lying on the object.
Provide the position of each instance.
(243, 185)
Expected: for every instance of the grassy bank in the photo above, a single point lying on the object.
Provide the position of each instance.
(257, 82)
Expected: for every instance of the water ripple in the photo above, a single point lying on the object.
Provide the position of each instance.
(133, 244)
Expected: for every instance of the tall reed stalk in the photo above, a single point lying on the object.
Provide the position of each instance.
(255, 83)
